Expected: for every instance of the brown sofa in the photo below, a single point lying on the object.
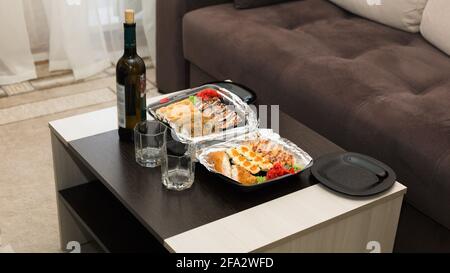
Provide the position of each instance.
(369, 88)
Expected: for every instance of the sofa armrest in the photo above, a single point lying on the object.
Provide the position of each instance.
(172, 70)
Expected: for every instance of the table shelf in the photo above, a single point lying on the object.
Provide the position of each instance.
(112, 226)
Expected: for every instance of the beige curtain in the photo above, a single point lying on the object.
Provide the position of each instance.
(16, 60)
(85, 36)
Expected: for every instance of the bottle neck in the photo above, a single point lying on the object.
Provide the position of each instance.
(130, 39)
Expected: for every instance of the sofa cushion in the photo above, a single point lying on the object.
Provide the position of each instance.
(247, 4)
(402, 14)
(369, 88)
(435, 26)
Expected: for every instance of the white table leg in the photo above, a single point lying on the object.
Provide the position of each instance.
(68, 174)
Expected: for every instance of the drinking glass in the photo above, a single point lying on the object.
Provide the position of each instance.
(149, 142)
(177, 165)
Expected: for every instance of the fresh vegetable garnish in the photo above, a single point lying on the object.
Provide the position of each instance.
(261, 179)
(208, 93)
(297, 168)
(164, 100)
(193, 99)
(278, 170)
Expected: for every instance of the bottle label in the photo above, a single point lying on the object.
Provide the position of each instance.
(121, 113)
(142, 85)
(143, 88)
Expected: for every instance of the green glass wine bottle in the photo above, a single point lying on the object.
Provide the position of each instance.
(131, 83)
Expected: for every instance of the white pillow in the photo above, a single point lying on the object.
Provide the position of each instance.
(402, 14)
(435, 25)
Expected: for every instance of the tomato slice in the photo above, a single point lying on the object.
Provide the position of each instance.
(164, 100)
(208, 93)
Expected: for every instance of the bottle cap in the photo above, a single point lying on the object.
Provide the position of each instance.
(129, 16)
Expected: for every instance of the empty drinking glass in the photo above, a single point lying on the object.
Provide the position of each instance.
(149, 142)
(177, 165)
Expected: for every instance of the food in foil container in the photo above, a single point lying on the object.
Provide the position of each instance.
(255, 158)
(205, 112)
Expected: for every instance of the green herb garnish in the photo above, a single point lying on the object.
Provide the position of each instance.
(260, 179)
(193, 99)
(296, 168)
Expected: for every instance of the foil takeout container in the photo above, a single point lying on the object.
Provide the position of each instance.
(248, 118)
(302, 158)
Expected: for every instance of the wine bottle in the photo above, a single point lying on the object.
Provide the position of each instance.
(131, 83)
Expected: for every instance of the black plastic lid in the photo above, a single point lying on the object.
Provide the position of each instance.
(353, 174)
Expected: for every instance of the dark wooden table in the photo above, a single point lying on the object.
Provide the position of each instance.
(105, 197)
